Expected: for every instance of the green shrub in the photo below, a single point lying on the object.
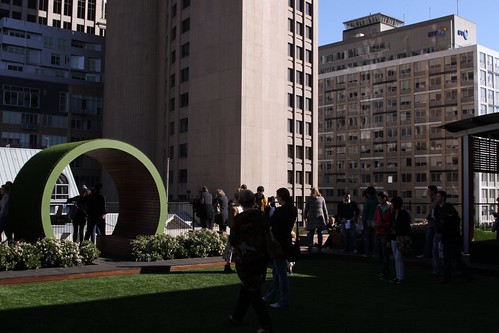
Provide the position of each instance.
(70, 255)
(202, 243)
(50, 250)
(194, 244)
(88, 252)
(47, 252)
(24, 256)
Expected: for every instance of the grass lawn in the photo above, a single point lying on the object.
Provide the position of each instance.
(328, 295)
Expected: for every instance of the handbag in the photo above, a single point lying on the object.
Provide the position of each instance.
(273, 247)
(295, 251)
(404, 244)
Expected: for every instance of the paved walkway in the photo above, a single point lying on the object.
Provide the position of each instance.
(108, 267)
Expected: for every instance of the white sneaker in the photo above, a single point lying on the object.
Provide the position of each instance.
(277, 305)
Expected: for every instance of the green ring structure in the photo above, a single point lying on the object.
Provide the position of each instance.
(141, 193)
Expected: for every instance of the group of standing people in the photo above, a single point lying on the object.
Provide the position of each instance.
(250, 230)
(443, 237)
(89, 209)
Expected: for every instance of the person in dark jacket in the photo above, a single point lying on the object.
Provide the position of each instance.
(447, 221)
(208, 213)
(77, 215)
(95, 208)
(401, 225)
(222, 218)
(281, 225)
(382, 216)
(250, 252)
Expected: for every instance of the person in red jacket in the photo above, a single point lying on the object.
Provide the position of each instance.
(383, 229)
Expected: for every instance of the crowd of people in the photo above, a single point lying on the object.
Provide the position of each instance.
(384, 228)
(87, 213)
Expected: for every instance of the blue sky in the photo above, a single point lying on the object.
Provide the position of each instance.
(484, 13)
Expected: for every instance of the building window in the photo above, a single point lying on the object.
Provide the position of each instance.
(291, 100)
(291, 50)
(291, 25)
(182, 150)
(309, 80)
(171, 128)
(173, 57)
(184, 125)
(174, 10)
(182, 176)
(309, 32)
(172, 80)
(309, 8)
(186, 3)
(80, 13)
(172, 104)
(184, 74)
(173, 33)
(68, 7)
(185, 50)
(56, 8)
(184, 100)
(186, 25)
(91, 10)
(291, 152)
(55, 59)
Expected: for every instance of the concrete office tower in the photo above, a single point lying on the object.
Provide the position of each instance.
(216, 93)
(88, 16)
(385, 89)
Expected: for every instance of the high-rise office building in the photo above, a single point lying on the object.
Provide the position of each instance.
(88, 16)
(51, 76)
(385, 89)
(216, 93)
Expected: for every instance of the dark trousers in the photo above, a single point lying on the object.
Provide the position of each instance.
(207, 223)
(452, 254)
(251, 296)
(382, 244)
(78, 231)
(95, 225)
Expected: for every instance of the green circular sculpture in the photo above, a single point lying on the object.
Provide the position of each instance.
(142, 196)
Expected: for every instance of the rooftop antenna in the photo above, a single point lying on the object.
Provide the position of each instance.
(457, 5)
(429, 13)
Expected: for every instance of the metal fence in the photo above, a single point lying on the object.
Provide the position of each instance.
(181, 218)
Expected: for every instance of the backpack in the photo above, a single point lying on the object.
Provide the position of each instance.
(73, 211)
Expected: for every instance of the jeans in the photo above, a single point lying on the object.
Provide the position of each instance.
(369, 237)
(348, 237)
(399, 262)
(248, 296)
(452, 253)
(95, 225)
(383, 254)
(428, 245)
(436, 262)
(279, 282)
(310, 238)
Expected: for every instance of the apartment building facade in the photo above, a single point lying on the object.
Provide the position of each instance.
(51, 83)
(216, 93)
(88, 16)
(384, 90)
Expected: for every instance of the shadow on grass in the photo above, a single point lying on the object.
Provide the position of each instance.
(327, 295)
